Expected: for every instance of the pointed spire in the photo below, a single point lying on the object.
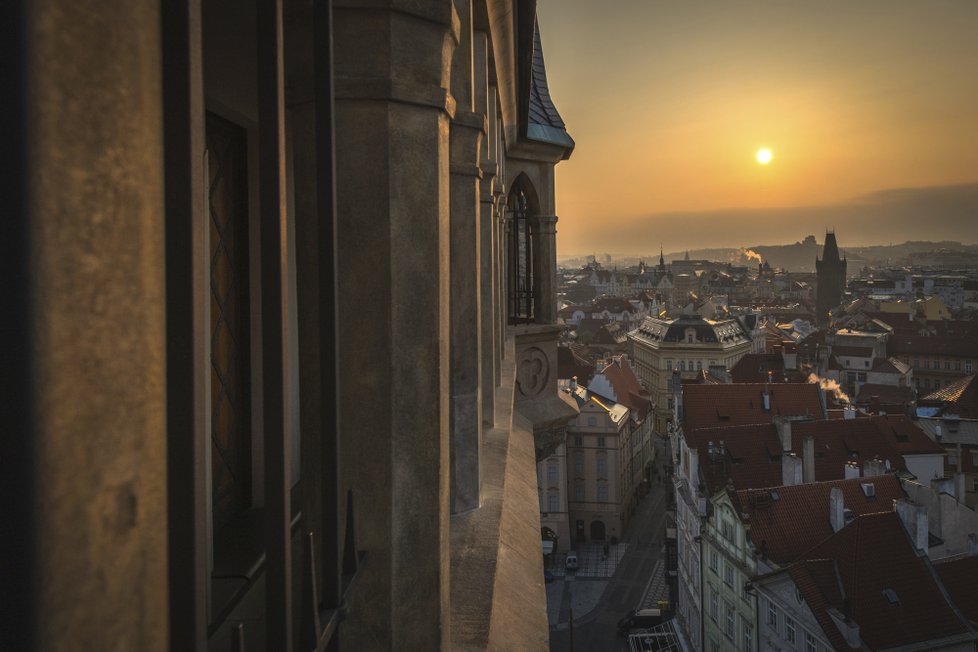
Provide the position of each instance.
(830, 251)
(687, 255)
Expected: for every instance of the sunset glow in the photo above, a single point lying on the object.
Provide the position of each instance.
(666, 101)
(763, 156)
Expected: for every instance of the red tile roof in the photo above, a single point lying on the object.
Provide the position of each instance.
(960, 398)
(890, 366)
(887, 394)
(711, 406)
(949, 393)
(754, 368)
(890, 435)
(570, 364)
(960, 577)
(787, 521)
(752, 453)
(627, 388)
(873, 554)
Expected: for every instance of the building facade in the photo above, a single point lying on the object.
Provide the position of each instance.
(687, 345)
(216, 441)
(598, 468)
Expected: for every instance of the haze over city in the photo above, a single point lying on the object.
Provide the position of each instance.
(864, 114)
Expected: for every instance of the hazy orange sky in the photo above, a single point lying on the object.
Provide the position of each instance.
(670, 100)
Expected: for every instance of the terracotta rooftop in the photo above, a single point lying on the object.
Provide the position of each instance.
(890, 366)
(895, 432)
(889, 591)
(570, 364)
(950, 393)
(960, 577)
(751, 457)
(788, 521)
(887, 394)
(755, 368)
(627, 388)
(612, 304)
(960, 398)
(711, 406)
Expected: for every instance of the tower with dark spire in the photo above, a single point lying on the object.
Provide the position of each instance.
(831, 278)
(662, 260)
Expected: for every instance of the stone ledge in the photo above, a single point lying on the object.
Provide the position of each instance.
(498, 597)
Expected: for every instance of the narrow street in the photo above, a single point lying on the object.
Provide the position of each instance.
(599, 602)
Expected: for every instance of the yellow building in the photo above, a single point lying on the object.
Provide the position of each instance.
(689, 345)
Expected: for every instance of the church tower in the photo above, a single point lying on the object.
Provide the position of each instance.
(831, 273)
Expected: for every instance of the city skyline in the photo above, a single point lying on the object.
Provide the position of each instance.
(867, 111)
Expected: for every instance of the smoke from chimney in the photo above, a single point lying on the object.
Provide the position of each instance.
(830, 385)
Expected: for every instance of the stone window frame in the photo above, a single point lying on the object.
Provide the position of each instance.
(790, 631)
(553, 501)
(603, 491)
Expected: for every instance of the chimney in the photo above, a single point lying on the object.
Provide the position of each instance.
(766, 399)
(849, 412)
(837, 506)
(790, 469)
(943, 486)
(783, 427)
(914, 518)
(851, 470)
(874, 404)
(808, 459)
(873, 468)
(790, 356)
(573, 383)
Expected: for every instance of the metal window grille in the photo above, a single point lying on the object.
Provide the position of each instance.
(521, 261)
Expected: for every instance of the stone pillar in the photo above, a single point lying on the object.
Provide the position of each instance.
(467, 128)
(490, 350)
(97, 325)
(502, 234)
(498, 237)
(545, 268)
(392, 162)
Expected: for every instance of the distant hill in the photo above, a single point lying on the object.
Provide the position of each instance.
(935, 213)
(800, 256)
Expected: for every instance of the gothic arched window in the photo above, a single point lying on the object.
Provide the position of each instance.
(521, 261)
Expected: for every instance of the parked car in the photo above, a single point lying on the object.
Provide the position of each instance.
(571, 562)
(640, 619)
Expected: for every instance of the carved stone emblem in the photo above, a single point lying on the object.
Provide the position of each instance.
(533, 372)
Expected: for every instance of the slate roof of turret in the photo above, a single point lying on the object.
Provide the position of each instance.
(545, 123)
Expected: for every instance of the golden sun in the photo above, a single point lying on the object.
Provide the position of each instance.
(763, 156)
